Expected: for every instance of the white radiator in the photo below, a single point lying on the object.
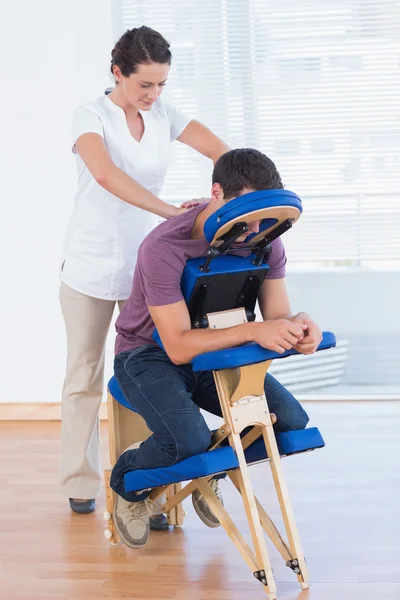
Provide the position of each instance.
(301, 373)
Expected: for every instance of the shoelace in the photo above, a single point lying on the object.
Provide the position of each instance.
(214, 483)
(138, 510)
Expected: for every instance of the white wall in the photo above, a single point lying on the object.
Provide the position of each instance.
(54, 56)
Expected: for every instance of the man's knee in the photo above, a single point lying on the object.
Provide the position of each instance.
(289, 412)
(194, 437)
(293, 419)
(301, 419)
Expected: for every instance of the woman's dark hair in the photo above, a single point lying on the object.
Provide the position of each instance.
(139, 46)
(245, 168)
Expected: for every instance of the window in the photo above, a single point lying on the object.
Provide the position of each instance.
(316, 87)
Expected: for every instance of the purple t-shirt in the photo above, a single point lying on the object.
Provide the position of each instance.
(160, 263)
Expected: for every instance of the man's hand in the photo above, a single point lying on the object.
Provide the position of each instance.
(312, 334)
(279, 335)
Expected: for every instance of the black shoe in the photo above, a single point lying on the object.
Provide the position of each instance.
(83, 507)
(159, 523)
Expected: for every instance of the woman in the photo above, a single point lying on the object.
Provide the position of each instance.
(122, 142)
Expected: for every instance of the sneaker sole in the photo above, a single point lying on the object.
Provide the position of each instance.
(203, 518)
(127, 542)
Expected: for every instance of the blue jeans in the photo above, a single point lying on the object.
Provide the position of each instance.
(168, 397)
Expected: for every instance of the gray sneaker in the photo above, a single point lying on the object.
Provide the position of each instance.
(201, 507)
(132, 521)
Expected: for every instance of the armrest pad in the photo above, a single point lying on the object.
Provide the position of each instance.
(248, 354)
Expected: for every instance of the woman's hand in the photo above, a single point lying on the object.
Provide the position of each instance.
(185, 206)
(194, 202)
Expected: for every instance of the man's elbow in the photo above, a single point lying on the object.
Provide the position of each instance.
(178, 354)
(179, 358)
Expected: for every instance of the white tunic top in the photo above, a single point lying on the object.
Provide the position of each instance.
(104, 232)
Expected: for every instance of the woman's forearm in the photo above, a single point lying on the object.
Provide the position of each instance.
(118, 183)
(219, 150)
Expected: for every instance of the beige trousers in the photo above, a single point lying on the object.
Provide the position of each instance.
(87, 322)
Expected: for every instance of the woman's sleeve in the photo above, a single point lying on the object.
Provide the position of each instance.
(178, 121)
(85, 121)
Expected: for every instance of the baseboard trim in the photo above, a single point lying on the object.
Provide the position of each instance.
(37, 411)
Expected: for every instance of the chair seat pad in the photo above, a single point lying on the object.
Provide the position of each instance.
(221, 460)
(289, 442)
(216, 461)
(117, 394)
(200, 465)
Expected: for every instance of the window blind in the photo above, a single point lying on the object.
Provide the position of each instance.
(316, 86)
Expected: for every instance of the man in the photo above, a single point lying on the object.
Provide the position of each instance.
(161, 385)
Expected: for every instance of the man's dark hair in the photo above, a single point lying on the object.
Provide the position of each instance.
(245, 167)
(140, 46)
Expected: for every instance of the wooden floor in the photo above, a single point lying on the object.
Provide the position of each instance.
(346, 499)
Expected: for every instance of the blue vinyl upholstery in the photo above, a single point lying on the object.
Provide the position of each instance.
(289, 442)
(200, 465)
(117, 394)
(248, 354)
(221, 264)
(221, 460)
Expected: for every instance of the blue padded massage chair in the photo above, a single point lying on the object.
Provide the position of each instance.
(221, 290)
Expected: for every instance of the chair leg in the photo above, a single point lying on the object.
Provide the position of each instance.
(179, 510)
(171, 514)
(110, 532)
(243, 404)
(258, 562)
(297, 563)
(175, 515)
(267, 524)
(253, 518)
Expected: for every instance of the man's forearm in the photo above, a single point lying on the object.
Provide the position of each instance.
(197, 341)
